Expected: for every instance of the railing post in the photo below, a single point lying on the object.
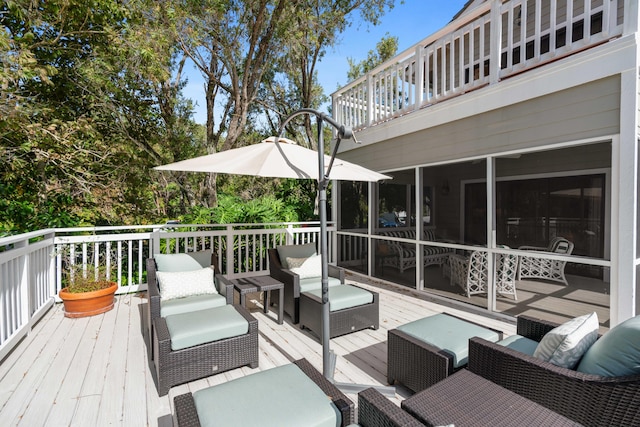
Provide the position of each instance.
(419, 83)
(25, 300)
(370, 99)
(631, 16)
(228, 265)
(54, 273)
(337, 112)
(495, 42)
(155, 242)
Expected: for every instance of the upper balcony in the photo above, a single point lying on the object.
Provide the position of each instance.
(482, 46)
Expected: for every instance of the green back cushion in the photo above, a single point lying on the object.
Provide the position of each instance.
(183, 262)
(616, 353)
(295, 251)
(448, 333)
(282, 396)
(519, 343)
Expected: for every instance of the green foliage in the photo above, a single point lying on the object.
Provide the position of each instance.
(85, 284)
(386, 49)
(91, 99)
(233, 209)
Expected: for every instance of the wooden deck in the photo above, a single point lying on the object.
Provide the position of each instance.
(95, 371)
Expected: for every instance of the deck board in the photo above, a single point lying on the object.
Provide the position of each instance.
(95, 371)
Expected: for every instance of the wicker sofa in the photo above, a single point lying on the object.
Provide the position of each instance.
(403, 255)
(267, 399)
(589, 399)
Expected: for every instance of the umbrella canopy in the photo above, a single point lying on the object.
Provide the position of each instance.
(286, 159)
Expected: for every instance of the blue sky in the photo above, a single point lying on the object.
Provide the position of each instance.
(410, 22)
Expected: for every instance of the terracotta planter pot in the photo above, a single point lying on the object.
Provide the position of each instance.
(88, 303)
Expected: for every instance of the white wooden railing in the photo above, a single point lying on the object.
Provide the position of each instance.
(33, 266)
(492, 42)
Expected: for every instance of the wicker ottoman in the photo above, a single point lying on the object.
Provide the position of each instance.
(279, 396)
(426, 351)
(181, 359)
(348, 313)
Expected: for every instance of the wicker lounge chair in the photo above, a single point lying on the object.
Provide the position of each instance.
(586, 398)
(224, 287)
(291, 281)
(187, 413)
(182, 365)
(531, 267)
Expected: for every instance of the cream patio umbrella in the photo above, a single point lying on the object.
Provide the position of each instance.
(279, 157)
(285, 159)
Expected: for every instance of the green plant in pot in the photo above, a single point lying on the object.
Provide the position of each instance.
(87, 292)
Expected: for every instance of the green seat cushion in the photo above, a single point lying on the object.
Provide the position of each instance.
(191, 303)
(448, 333)
(183, 262)
(282, 396)
(616, 353)
(315, 283)
(203, 326)
(345, 296)
(520, 343)
(295, 251)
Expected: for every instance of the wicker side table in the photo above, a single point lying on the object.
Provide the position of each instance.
(264, 284)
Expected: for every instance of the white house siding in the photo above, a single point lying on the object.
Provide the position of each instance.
(586, 111)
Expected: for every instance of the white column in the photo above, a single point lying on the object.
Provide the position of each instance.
(624, 203)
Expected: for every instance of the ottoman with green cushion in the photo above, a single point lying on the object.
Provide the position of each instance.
(202, 343)
(351, 309)
(290, 395)
(428, 350)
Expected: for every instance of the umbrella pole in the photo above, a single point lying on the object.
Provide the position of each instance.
(323, 182)
(328, 357)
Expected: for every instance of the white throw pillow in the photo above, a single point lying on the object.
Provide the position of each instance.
(306, 267)
(565, 345)
(182, 284)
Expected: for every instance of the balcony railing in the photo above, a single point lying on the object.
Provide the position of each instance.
(492, 42)
(33, 266)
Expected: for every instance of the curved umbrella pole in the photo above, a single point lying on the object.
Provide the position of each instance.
(328, 359)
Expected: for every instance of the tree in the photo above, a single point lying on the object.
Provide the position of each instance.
(317, 27)
(386, 49)
(80, 112)
(257, 54)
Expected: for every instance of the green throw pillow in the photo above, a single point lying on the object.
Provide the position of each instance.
(617, 353)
